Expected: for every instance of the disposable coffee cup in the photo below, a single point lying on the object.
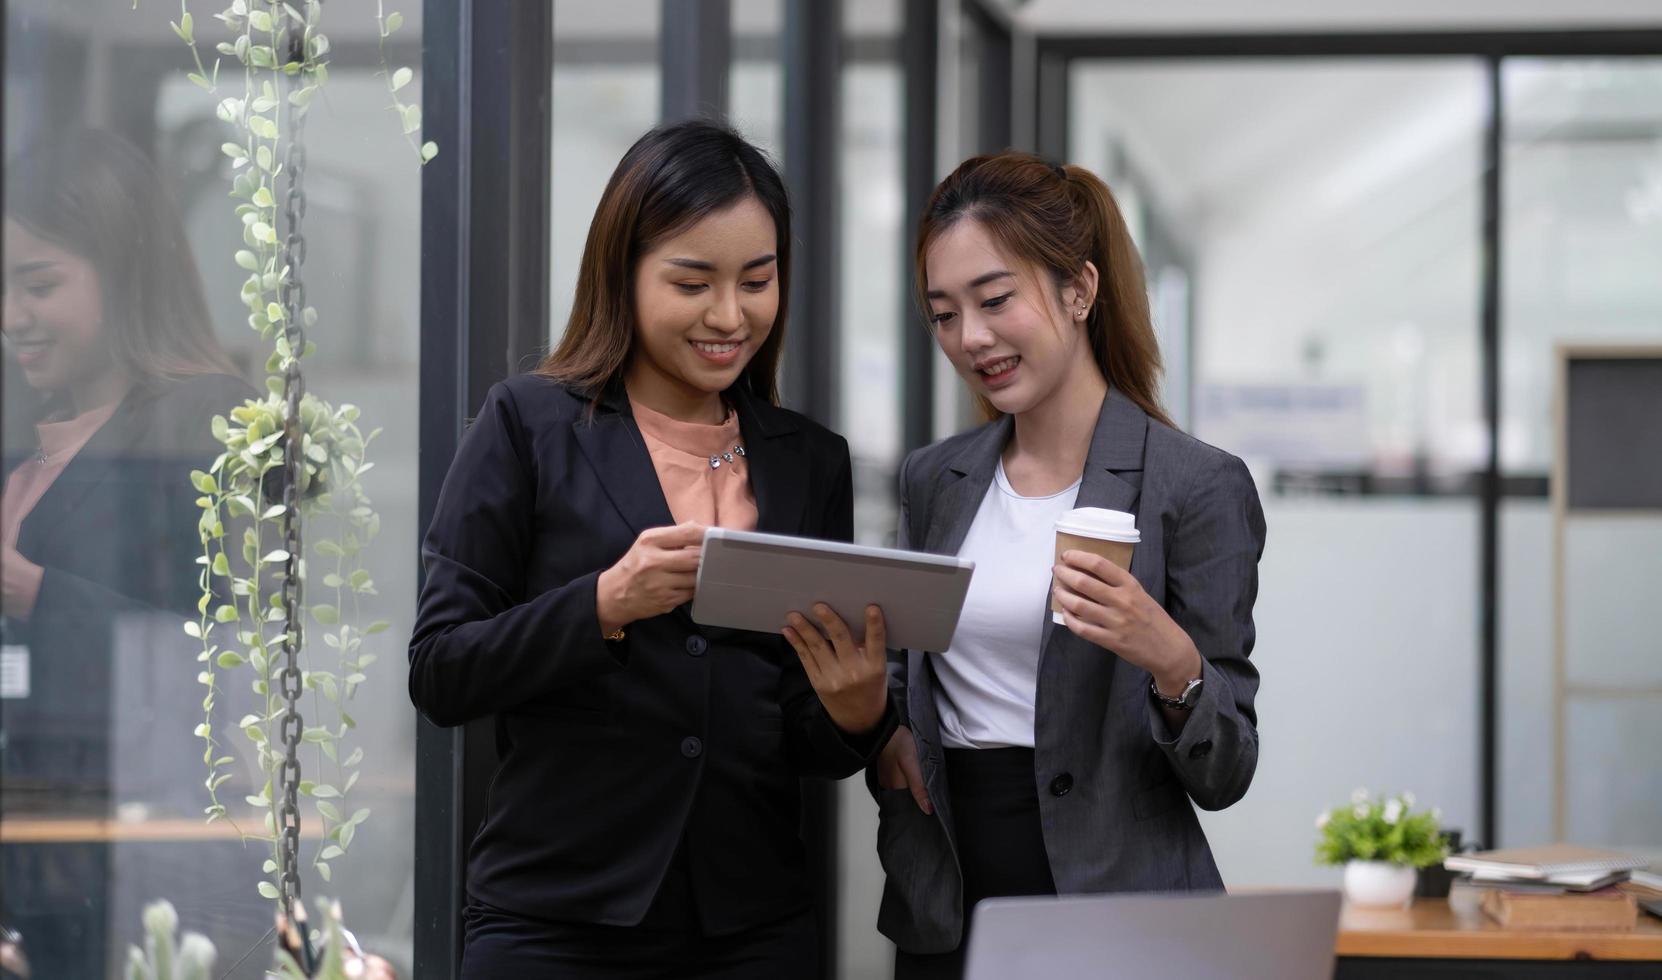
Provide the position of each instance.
(1111, 534)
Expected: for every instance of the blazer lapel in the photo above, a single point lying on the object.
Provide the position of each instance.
(113, 443)
(1117, 445)
(778, 466)
(955, 504)
(613, 444)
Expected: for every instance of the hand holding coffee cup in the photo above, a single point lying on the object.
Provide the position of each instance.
(1097, 598)
(1109, 534)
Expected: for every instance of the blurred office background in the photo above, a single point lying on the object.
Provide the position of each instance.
(1366, 226)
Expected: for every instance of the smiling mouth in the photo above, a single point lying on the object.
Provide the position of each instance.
(998, 369)
(726, 347)
(29, 351)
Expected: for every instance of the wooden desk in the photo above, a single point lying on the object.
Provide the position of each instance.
(66, 830)
(1453, 938)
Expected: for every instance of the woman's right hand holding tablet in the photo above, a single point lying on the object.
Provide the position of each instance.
(656, 574)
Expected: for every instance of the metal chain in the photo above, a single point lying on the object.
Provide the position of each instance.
(293, 295)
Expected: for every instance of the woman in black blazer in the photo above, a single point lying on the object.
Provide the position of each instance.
(644, 817)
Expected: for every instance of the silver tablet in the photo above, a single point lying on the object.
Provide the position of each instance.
(751, 581)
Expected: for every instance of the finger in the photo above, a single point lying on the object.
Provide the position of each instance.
(1084, 584)
(685, 535)
(809, 664)
(914, 781)
(1097, 565)
(842, 641)
(810, 636)
(1089, 632)
(877, 634)
(681, 560)
(1078, 606)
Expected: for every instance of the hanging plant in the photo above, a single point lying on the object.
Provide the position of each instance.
(290, 460)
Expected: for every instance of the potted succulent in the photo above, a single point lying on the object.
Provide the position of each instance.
(1382, 843)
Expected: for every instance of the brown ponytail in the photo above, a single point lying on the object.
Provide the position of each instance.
(1059, 218)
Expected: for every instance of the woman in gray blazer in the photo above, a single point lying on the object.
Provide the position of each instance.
(1037, 758)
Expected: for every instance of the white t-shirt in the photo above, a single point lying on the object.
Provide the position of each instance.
(987, 679)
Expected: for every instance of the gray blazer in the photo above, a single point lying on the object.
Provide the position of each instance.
(1116, 790)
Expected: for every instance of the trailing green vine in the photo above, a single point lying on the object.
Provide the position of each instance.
(242, 621)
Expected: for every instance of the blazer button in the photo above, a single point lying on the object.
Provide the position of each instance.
(1061, 785)
(1201, 749)
(691, 747)
(696, 645)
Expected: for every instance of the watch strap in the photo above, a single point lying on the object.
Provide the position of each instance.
(1184, 701)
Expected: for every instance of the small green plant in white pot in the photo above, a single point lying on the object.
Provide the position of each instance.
(1382, 843)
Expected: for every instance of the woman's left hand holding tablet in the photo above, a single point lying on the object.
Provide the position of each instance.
(850, 677)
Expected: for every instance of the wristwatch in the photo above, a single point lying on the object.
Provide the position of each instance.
(1184, 701)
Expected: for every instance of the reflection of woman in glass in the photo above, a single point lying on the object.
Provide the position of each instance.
(105, 320)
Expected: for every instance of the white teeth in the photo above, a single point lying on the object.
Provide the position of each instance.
(1001, 367)
(715, 348)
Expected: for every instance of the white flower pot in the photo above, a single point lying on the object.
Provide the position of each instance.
(1379, 884)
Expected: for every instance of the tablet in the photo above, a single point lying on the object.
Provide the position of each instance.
(752, 581)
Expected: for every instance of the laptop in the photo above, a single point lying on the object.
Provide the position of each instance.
(1264, 936)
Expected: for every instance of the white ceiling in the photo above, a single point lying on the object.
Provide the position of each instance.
(1210, 137)
(1099, 16)
(127, 21)
(117, 20)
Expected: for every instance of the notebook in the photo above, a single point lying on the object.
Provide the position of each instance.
(1554, 884)
(1549, 861)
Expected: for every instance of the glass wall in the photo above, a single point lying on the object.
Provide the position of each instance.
(125, 333)
(606, 94)
(1321, 221)
(873, 234)
(756, 81)
(1582, 226)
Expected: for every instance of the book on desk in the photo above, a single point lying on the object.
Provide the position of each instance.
(1557, 886)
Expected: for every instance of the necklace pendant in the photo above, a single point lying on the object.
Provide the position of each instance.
(738, 450)
(727, 456)
(715, 462)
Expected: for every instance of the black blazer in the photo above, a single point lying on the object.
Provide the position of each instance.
(116, 534)
(614, 754)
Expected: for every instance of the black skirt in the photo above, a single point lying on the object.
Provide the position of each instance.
(1001, 847)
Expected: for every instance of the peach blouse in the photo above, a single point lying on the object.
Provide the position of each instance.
(715, 496)
(59, 442)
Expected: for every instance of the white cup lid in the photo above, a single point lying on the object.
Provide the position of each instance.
(1100, 523)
